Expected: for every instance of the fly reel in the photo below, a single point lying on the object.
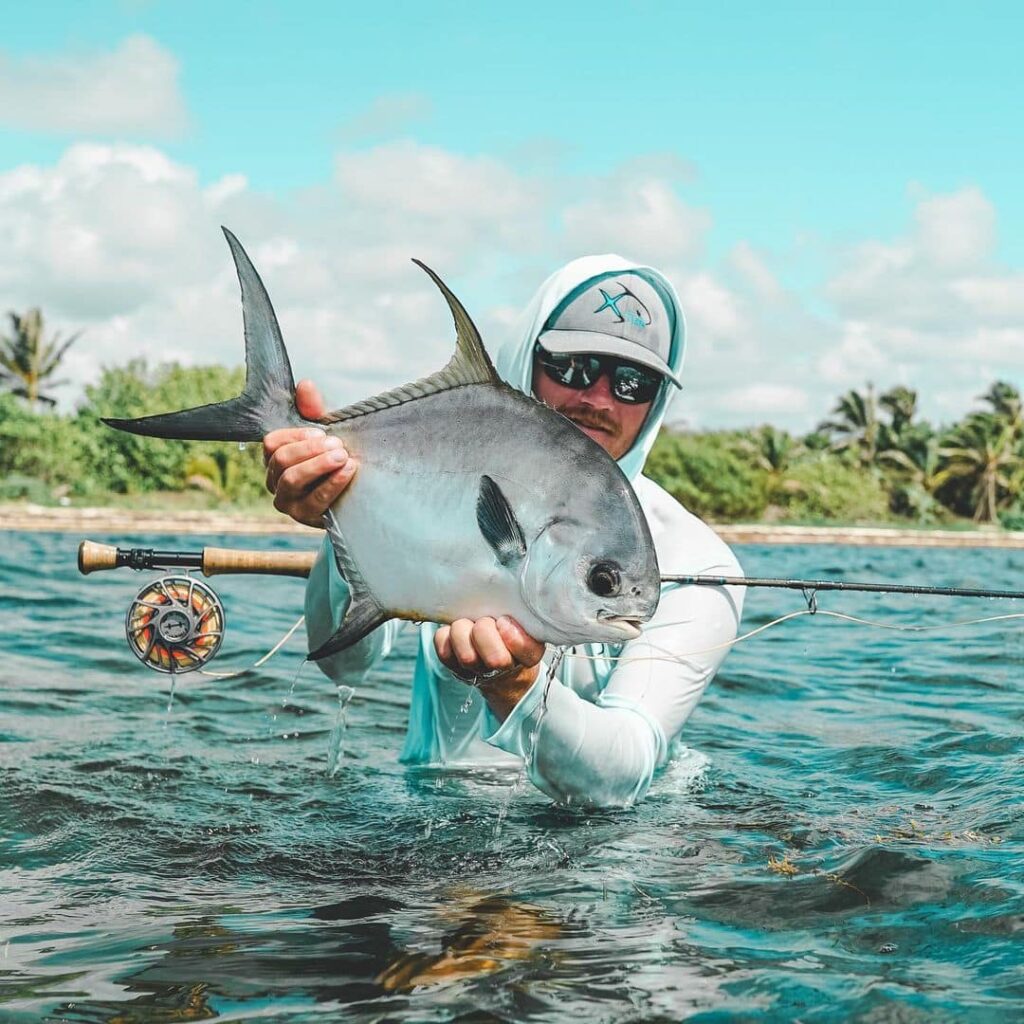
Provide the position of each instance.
(175, 624)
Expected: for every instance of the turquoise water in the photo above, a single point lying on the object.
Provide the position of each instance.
(207, 863)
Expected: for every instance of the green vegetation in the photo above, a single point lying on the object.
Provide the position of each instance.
(871, 461)
(78, 457)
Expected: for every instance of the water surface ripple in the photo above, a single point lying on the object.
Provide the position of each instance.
(842, 839)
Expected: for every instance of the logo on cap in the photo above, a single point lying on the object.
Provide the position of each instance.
(638, 315)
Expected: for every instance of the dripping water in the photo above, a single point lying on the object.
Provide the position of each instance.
(336, 743)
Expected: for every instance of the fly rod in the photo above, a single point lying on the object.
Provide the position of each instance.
(176, 623)
(211, 561)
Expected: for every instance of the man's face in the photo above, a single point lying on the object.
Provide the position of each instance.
(614, 425)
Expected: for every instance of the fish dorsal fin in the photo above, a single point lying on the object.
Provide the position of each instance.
(470, 365)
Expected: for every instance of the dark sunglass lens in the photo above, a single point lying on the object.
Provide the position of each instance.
(572, 371)
(634, 385)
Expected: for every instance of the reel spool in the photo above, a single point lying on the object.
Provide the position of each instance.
(175, 624)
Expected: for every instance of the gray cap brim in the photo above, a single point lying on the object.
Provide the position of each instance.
(574, 342)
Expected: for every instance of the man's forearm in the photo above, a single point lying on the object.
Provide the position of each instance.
(503, 693)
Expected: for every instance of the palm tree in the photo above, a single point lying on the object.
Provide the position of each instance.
(27, 363)
(772, 449)
(914, 462)
(855, 426)
(980, 458)
(901, 404)
(1006, 404)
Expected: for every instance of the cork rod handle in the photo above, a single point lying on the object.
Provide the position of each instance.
(93, 557)
(217, 561)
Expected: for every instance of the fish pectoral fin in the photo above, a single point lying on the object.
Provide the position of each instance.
(498, 523)
(364, 613)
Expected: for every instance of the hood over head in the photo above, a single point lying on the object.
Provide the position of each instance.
(514, 358)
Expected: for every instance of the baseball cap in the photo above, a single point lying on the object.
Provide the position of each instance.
(618, 314)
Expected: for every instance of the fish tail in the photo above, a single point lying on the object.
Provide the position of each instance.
(268, 400)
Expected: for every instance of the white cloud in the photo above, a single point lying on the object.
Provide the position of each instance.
(712, 309)
(404, 199)
(995, 297)
(759, 400)
(854, 359)
(123, 241)
(931, 307)
(131, 91)
(637, 211)
(387, 115)
(755, 273)
(955, 230)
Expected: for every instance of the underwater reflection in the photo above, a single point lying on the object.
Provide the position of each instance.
(487, 935)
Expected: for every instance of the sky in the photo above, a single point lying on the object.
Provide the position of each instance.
(834, 193)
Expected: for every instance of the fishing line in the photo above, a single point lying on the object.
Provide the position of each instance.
(266, 657)
(857, 620)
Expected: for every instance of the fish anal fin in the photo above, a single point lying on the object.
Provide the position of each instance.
(469, 365)
(498, 523)
(364, 614)
(361, 619)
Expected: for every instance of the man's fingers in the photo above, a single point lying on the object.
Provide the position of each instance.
(324, 494)
(462, 643)
(298, 454)
(489, 646)
(443, 644)
(519, 643)
(277, 439)
(309, 401)
(295, 481)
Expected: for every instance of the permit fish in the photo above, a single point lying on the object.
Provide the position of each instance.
(471, 498)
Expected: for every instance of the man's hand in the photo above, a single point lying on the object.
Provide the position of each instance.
(306, 469)
(500, 650)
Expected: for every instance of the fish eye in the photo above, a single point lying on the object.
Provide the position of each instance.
(604, 579)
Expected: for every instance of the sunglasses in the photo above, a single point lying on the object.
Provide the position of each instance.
(630, 383)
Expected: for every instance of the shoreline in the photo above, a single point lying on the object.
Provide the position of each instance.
(126, 522)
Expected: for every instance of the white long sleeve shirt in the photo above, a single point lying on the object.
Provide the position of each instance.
(611, 713)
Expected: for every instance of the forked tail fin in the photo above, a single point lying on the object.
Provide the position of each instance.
(268, 401)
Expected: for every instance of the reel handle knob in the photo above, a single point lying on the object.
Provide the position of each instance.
(93, 557)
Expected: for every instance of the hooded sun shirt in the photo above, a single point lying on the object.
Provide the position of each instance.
(612, 712)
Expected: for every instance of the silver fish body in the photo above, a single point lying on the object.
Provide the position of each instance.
(471, 498)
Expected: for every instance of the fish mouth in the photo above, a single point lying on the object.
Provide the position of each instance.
(628, 627)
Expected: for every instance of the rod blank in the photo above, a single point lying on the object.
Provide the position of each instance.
(812, 586)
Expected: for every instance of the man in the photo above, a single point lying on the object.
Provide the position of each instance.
(602, 342)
